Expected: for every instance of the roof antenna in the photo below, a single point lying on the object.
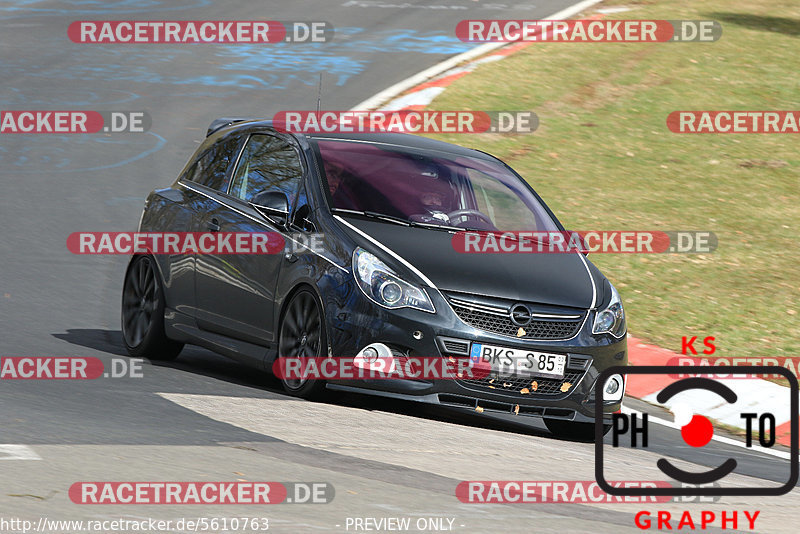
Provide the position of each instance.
(319, 94)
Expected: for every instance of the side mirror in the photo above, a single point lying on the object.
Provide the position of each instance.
(272, 204)
(302, 219)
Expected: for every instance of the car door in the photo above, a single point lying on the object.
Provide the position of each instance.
(236, 292)
(209, 174)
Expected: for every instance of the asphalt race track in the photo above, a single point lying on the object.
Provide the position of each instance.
(202, 417)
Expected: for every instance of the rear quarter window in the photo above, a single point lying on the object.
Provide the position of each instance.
(211, 169)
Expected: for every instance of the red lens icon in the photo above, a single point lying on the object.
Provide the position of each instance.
(698, 432)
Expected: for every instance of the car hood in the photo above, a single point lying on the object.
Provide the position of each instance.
(557, 279)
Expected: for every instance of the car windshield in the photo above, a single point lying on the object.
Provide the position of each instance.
(427, 187)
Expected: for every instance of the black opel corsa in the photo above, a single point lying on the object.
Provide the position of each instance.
(386, 278)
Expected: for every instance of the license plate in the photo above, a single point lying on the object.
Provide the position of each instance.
(518, 362)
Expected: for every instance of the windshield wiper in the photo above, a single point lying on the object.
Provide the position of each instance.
(384, 217)
(374, 215)
(435, 226)
(401, 221)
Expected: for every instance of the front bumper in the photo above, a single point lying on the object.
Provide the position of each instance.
(420, 334)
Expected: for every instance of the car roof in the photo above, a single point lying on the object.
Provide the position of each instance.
(225, 126)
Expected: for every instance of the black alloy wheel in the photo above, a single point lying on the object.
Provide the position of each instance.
(143, 313)
(302, 335)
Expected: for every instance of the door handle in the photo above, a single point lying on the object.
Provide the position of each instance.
(214, 225)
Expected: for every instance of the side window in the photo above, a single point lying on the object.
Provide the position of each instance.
(268, 163)
(212, 167)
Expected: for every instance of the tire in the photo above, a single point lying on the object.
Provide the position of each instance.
(143, 313)
(302, 334)
(573, 431)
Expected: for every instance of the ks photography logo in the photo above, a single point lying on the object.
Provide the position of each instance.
(712, 392)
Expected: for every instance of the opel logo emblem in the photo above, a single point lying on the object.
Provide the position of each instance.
(520, 315)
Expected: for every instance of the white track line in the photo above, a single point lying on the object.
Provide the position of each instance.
(721, 439)
(387, 94)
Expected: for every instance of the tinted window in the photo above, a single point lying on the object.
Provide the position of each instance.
(429, 187)
(212, 167)
(492, 198)
(268, 163)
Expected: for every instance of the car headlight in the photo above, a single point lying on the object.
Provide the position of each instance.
(381, 285)
(611, 320)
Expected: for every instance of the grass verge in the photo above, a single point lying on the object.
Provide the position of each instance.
(604, 159)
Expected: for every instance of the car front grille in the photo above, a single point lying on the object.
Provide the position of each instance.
(454, 346)
(533, 385)
(497, 319)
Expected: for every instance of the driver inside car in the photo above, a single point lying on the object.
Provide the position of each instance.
(438, 197)
(339, 181)
(434, 204)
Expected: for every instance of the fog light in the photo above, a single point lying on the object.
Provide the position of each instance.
(369, 353)
(614, 388)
